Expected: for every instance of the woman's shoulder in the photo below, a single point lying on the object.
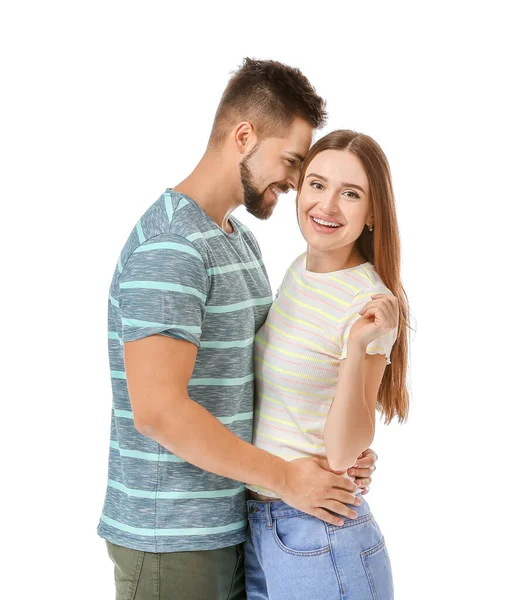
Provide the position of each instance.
(367, 280)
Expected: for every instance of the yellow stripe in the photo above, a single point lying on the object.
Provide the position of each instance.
(263, 491)
(275, 307)
(351, 287)
(289, 423)
(289, 442)
(381, 348)
(299, 339)
(366, 277)
(265, 362)
(303, 411)
(316, 291)
(293, 354)
(309, 306)
(286, 389)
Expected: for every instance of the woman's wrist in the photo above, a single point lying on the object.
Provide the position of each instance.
(356, 347)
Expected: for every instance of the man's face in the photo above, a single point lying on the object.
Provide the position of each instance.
(272, 167)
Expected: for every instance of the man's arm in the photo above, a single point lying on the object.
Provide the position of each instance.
(158, 370)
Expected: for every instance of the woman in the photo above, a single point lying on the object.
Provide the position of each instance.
(331, 351)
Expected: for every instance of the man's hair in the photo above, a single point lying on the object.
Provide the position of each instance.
(269, 95)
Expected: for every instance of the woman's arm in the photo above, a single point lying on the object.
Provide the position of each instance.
(350, 425)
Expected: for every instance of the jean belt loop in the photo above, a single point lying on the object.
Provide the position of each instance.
(268, 514)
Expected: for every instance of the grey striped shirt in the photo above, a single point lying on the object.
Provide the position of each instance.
(181, 275)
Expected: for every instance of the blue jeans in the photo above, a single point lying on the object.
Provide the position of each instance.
(290, 555)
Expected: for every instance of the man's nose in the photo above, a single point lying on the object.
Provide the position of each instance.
(292, 181)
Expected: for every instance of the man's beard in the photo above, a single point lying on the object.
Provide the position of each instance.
(254, 200)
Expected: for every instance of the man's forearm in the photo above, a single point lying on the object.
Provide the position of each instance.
(194, 434)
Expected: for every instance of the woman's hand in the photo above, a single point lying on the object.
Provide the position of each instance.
(379, 316)
(363, 469)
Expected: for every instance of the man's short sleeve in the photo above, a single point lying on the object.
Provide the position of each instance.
(382, 345)
(162, 290)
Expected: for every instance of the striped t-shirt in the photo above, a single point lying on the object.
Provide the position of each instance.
(298, 352)
(181, 275)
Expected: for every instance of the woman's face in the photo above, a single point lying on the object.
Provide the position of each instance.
(334, 203)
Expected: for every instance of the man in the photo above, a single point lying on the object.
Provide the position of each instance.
(189, 292)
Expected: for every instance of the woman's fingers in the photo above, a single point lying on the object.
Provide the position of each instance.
(360, 474)
(366, 460)
(363, 482)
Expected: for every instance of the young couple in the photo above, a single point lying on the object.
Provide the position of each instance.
(194, 480)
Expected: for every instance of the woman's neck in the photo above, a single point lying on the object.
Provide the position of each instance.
(327, 261)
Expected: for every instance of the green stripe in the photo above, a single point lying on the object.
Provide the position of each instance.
(172, 532)
(113, 301)
(168, 207)
(124, 414)
(127, 414)
(182, 203)
(113, 335)
(137, 323)
(151, 456)
(229, 344)
(204, 234)
(139, 230)
(169, 246)
(254, 264)
(240, 417)
(118, 375)
(222, 381)
(227, 493)
(163, 285)
(239, 305)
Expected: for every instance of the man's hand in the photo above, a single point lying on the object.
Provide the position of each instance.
(363, 469)
(311, 486)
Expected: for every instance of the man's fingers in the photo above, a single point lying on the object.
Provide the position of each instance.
(344, 497)
(327, 517)
(342, 483)
(340, 509)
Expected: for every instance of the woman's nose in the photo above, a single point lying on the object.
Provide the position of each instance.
(329, 204)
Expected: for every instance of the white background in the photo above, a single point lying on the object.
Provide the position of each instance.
(105, 104)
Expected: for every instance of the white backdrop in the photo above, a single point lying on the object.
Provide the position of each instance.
(105, 104)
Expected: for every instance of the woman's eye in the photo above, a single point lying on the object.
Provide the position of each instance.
(316, 185)
(353, 194)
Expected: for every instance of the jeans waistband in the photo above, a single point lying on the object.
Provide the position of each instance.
(257, 509)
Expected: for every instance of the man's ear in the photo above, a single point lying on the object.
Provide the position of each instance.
(245, 137)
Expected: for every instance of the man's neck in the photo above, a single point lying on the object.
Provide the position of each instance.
(215, 188)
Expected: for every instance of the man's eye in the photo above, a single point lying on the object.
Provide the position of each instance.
(291, 161)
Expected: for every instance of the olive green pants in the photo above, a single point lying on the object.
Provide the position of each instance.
(202, 575)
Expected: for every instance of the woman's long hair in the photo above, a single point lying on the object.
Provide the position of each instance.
(381, 247)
